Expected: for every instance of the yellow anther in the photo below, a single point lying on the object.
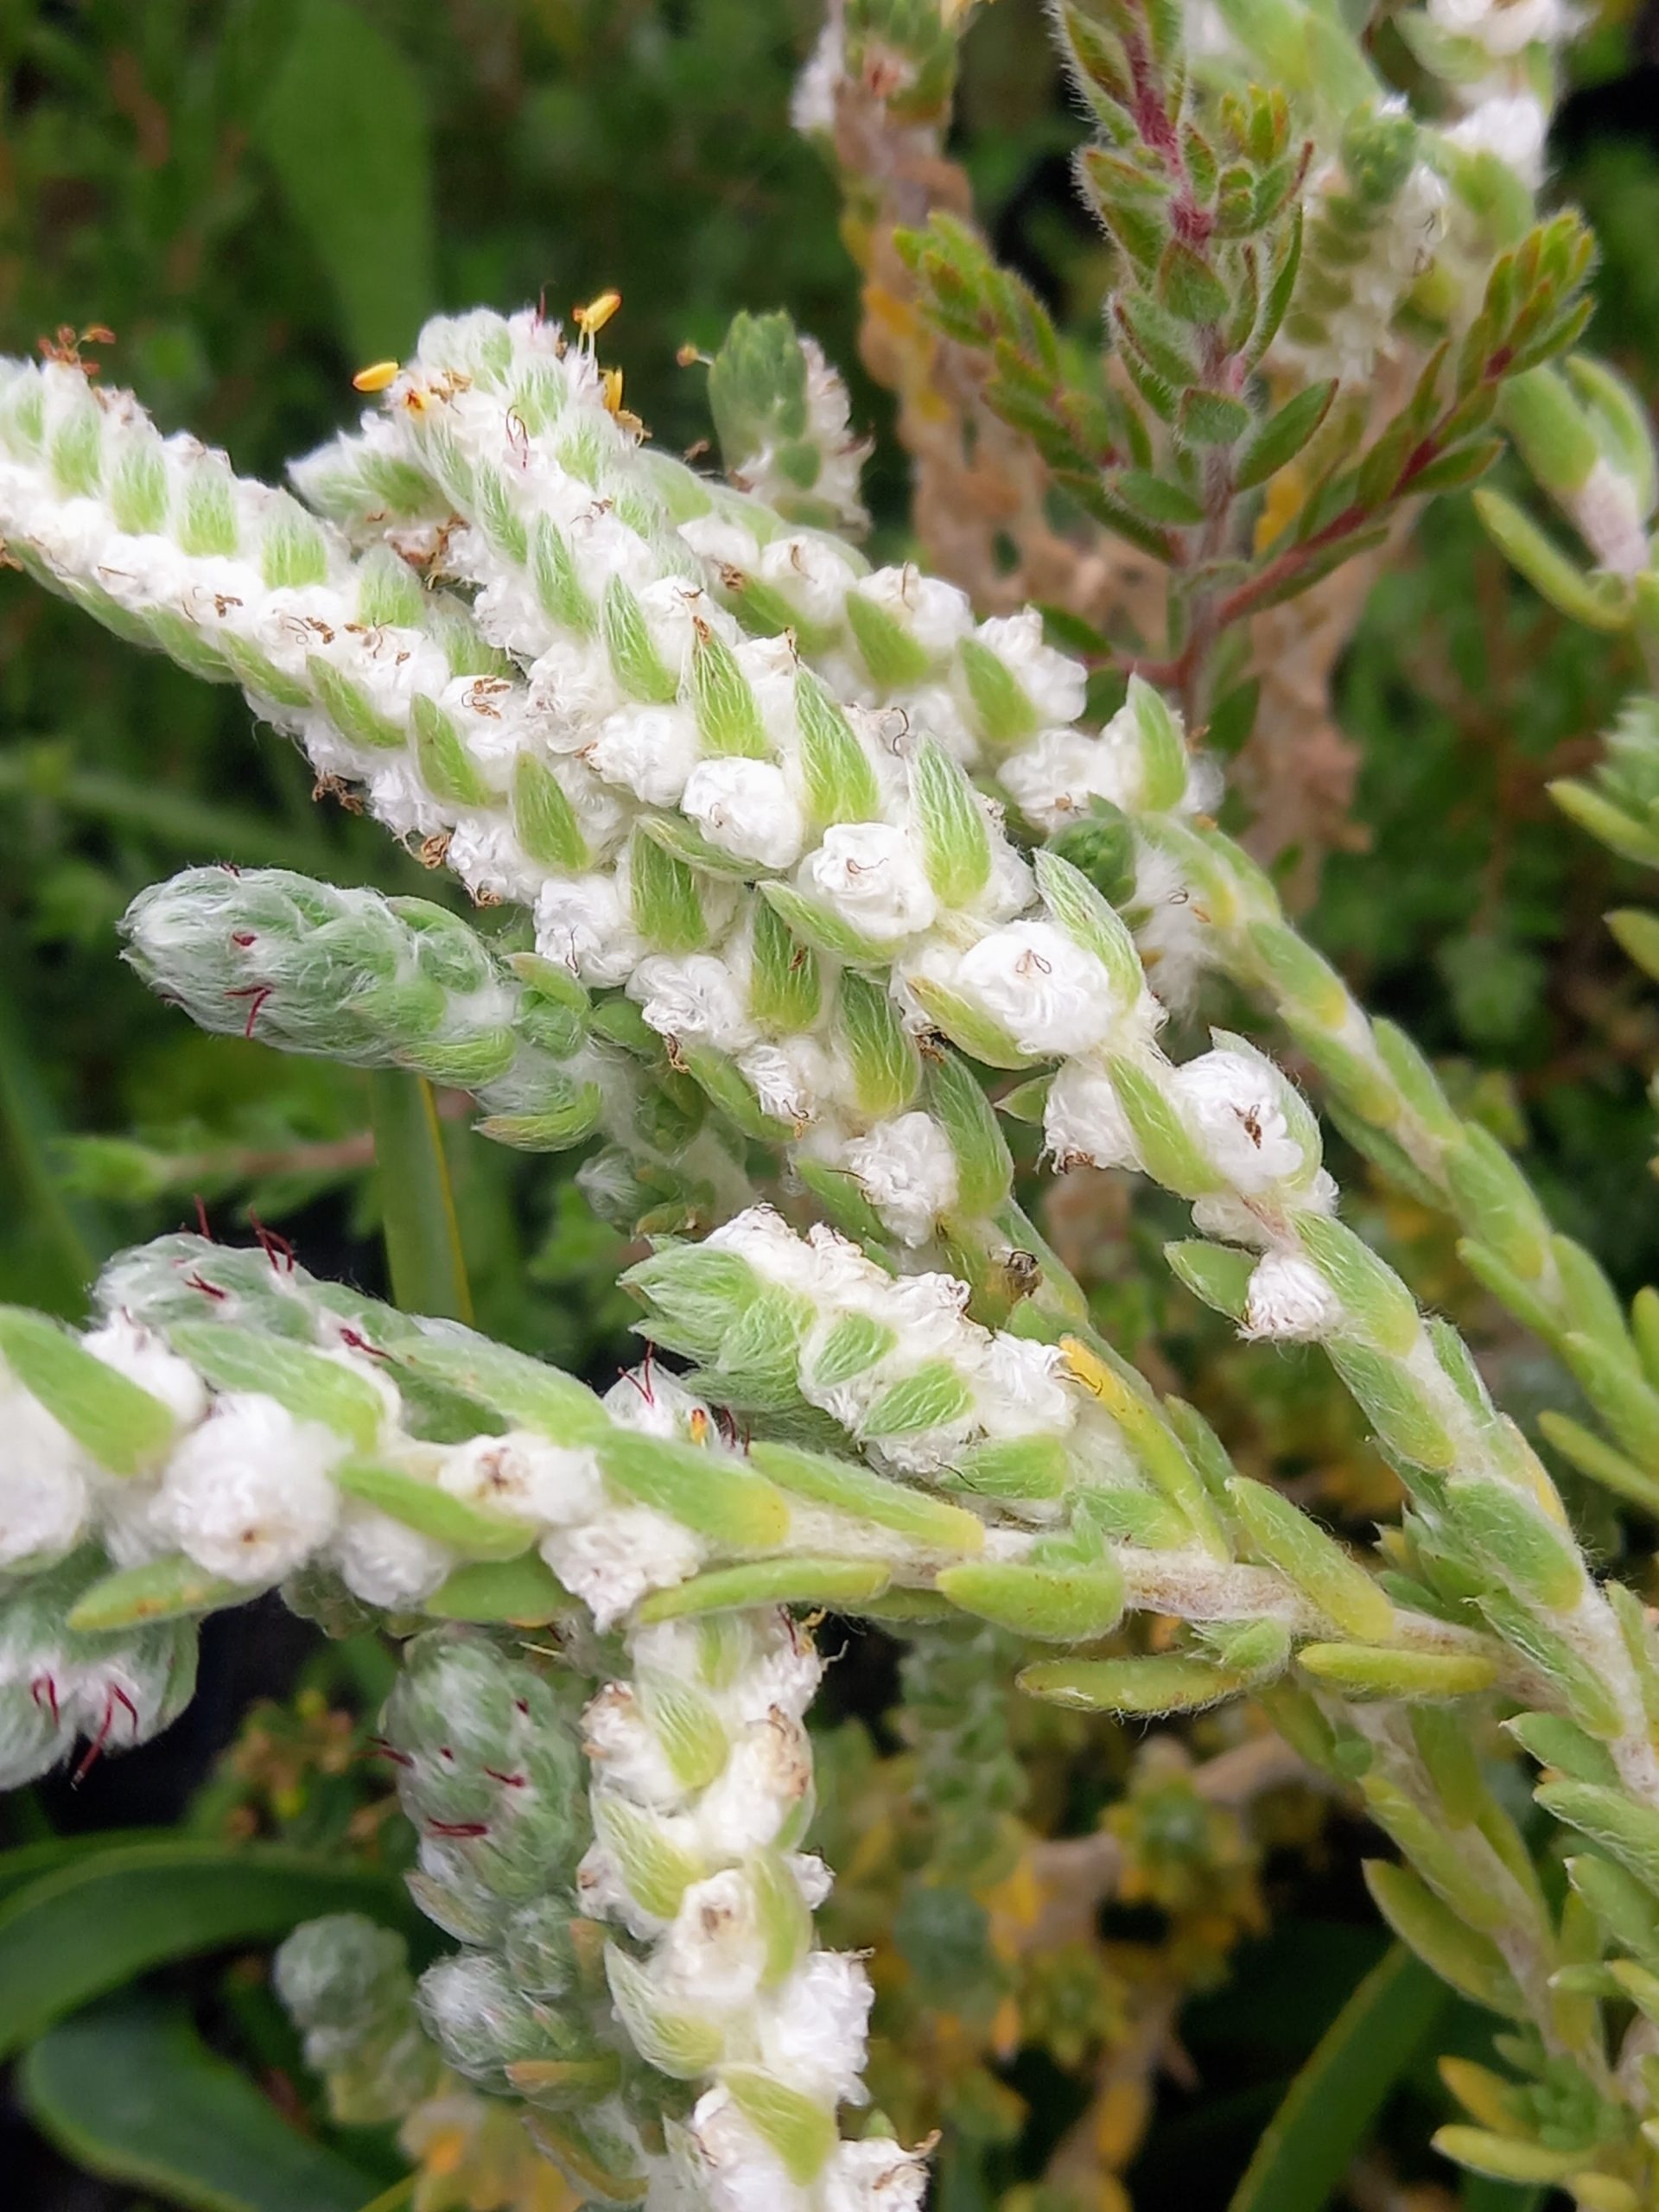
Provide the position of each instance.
(594, 317)
(376, 377)
(698, 1425)
(612, 379)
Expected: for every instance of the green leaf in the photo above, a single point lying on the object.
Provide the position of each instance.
(475, 1531)
(345, 128)
(1453, 472)
(1327, 2116)
(817, 923)
(309, 1384)
(836, 1583)
(981, 1036)
(846, 1487)
(155, 1589)
(1053, 1604)
(129, 2091)
(1158, 498)
(1168, 1682)
(1282, 436)
(417, 1203)
(841, 784)
(90, 1927)
(524, 1591)
(448, 770)
(120, 1424)
(956, 845)
(984, 1167)
(1600, 601)
(935, 1394)
(1213, 418)
(543, 820)
(881, 1054)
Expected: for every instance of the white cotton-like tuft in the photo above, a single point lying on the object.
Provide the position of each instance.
(1235, 1106)
(1056, 685)
(1045, 990)
(870, 874)
(908, 1172)
(139, 1354)
(746, 808)
(386, 1562)
(611, 1563)
(1290, 1301)
(44, 1481)
(248, 1494)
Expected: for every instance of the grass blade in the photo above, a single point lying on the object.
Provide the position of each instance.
(1330, 2107)
(417, 1203)
(130, 2091)
(86, 1928)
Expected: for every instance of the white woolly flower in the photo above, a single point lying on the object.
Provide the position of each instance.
(1290, 1301)
(1053, 779)
(715, 1954)
(722, 541)
(694, 997)
(873, 2175)
(908, 1172)
(492, 863)
(571, 690)
(779, 1671)
(398, 798)
(930, 710)
(815, 2037)
(1019, 1388)
(759, 1789)
(771, 667)
(1391, 257)
(650, 750)
(812, 572)
(385, 1561)
(1503, 29)
(248, 1492)
(523, 1475)
(1056, 685)
(1236, 1106)
(745, 807)
(1609, 518)
(1513, 125)
(812, 102)
(794, 1080)
(1084, 1121)
(655, 1402)
(829, 411)
(1040, 986)
(1232, 1220)
(869, 873)
(1011, 885)
(585, 923)
(736, 2169)
(618, 1736)
(139, 1354)
(611, 1563)
(1176, 945)
(44, 1493)
(937, 615)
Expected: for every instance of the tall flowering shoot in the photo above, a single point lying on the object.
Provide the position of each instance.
(819, 897)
